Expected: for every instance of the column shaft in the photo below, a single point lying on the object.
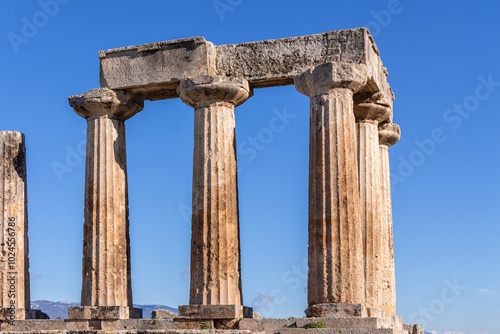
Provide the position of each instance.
(215, 239)
(389, 275)
(370, 210)
(106, 251)
(335, 249)
(106, 284)
(389, 134)
(370, 109)
(14, 264)
(215, 260)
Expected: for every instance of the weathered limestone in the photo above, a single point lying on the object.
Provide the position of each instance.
(154, 69)
(367, 323)
(351, 260)
(215, 248)
(106, 246)
(163, 314)
(370, 109)
(389, 134)
(215, 311)
(103, 312)
(413, 329)
(14, 264)
(335, 239)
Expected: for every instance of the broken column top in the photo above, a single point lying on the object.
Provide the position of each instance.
(154, 70)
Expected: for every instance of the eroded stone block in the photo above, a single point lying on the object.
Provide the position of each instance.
(163, 314)
(14, 263)
(213, 311)
(336, 310)
(413, 329)
(103, 312)
(155, 68)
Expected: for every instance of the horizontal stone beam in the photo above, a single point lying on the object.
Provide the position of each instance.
(154, 70)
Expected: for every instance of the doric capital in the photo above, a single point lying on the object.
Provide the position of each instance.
(331, 75)
(388, 134)
(371, 107)
(118, 104)
(208, 89)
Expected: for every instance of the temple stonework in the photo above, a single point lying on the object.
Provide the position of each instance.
(351, 278)
(14, 265)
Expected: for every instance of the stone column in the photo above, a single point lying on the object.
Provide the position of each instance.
(106, 286)
(370, 109)
(389, 134)
(335, 239)
(14, 264)
(215, 244)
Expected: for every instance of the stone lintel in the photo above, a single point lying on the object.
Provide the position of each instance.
(215, 311)
(103, 313)
(154, 70)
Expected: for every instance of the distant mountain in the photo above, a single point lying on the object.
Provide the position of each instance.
(55, 310)
(59, 310)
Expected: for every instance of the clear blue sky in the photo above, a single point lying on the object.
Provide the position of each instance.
(446, 194)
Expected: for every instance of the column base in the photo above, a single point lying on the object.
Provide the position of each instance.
(334, 310)
(215, 311)
(11, 314)
(7, 314)
(104, 313)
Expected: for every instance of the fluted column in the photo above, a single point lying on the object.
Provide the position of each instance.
(106, 247)
(215, 244)
(335, 240)
(389, 134)
(14, 264)
(370, 109)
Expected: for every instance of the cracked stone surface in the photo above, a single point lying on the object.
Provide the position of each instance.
(336, 271)
(389, 134)
(14, 265)
(106, 245)
(215, 240)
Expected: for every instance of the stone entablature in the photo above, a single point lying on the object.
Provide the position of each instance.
(154, 70)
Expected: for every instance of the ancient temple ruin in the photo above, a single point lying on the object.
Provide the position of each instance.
(351, 281)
